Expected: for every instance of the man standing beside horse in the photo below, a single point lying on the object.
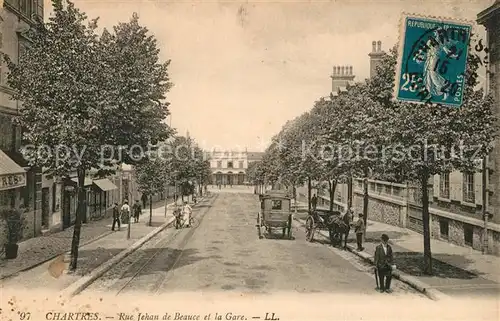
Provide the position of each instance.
(359, 229)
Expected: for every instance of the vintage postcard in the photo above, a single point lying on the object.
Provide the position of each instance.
(249, 160)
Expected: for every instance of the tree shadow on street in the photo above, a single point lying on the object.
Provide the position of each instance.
(412, 264)
(88, 260)
(167, 259)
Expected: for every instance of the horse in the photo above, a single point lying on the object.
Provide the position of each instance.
(339, 226)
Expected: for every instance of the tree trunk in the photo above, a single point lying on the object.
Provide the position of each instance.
(365, 198)
(349, 191)
(150, 210)
(332, 187)
(425, 222)
(309, 193)
(75, 242)
(294, 191)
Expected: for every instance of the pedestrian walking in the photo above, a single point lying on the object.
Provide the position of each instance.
(384, 265)
(125, 212)
(314, 202)
(359, 229)
(116, 217)
(137, 209)
(144, 199)
(186, 211)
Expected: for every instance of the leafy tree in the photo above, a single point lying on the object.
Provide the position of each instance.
(181, 164)
(255, 175)
(76, 92)
(332, 161)
(437, 131)
(202, 168)
(150, 177)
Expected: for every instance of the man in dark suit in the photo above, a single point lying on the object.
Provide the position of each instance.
(384, 264)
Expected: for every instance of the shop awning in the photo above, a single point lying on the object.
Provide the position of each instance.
(11, 174)
(87, 181)
(105, 184)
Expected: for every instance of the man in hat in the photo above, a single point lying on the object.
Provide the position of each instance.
(359, 229)
(116, 217)
(314, 202)
(383, 260)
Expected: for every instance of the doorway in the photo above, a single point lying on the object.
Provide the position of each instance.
(45, 207)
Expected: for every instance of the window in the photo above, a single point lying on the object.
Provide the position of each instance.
(6, 132)
(276, 205)
(468, 234)
(40, 8)
(444, 185)
(229, 164)
(443, 228)
(240, 164)
(13, 3)
(219, 164)
(468, 188)
(8, 198)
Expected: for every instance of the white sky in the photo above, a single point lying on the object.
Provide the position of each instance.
(242, 68)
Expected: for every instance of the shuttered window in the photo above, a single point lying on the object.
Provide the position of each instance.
(444, 185)
(468, 188)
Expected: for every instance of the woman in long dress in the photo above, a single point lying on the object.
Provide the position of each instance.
(435, 82)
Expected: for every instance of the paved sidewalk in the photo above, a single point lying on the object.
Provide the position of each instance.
(457, 270)
(53, 275)
(37, 250)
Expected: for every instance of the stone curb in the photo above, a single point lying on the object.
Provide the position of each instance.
(85, 281)
(418, 285)
(82, 283)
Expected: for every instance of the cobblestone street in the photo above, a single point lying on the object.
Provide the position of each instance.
(224, 253)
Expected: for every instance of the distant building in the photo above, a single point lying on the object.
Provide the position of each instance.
(229, 166)
(342, 77)
(254, 156)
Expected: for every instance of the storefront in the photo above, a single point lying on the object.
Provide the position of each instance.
(12, 178)
(12, 182)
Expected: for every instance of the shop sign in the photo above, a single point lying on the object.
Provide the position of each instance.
(11, 181)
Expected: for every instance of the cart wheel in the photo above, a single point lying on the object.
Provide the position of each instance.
(333, 239)
(310, 229)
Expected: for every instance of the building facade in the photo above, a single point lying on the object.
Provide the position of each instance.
(229, 167)
(47, 203)
(490, 19)
(20, 184)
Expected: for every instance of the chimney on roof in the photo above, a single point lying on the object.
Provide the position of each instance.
(341, 76)
(375, 57)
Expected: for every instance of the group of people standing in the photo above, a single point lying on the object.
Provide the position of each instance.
(123, 214)
(383, 257)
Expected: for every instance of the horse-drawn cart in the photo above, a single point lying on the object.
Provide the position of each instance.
(333, 221)
(275, 213)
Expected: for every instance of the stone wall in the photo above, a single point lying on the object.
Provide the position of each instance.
(395, 205)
